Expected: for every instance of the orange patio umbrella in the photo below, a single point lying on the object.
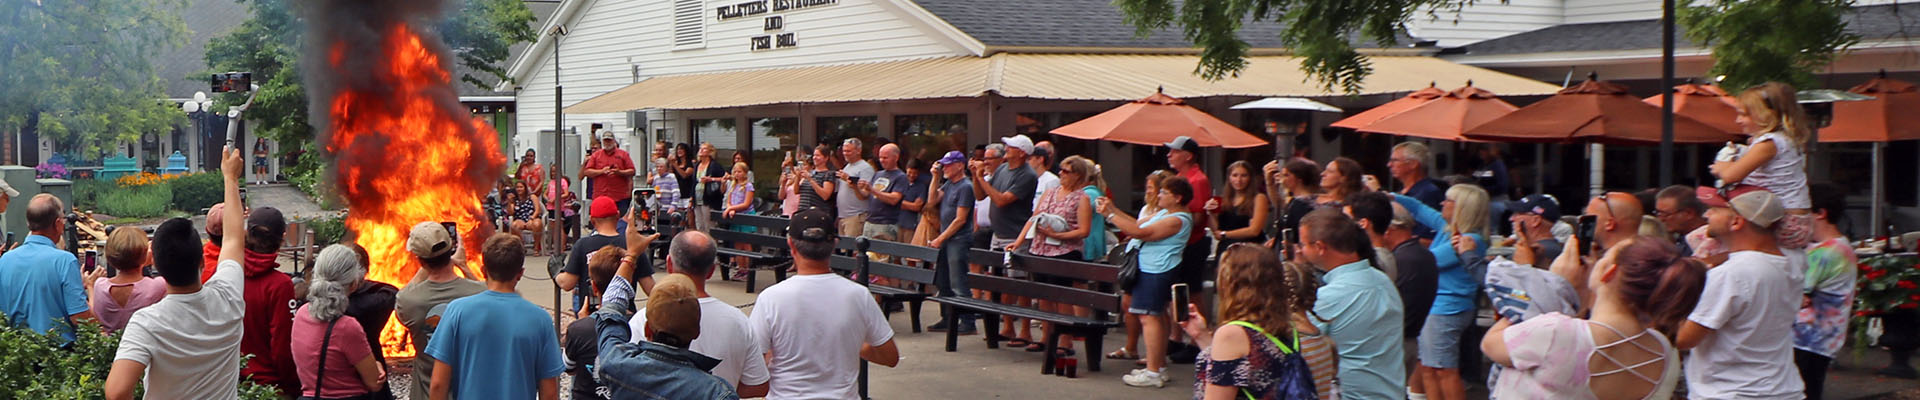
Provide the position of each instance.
(1447, 117)
(1595, 112)
(1156, 120)
(1706, 104)
(1893, 114)
(1396, 106)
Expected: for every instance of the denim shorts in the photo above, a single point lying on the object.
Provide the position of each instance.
(1151, 293)
(1440, 339)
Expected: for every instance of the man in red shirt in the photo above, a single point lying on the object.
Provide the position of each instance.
(609, 171)
(1183, 156)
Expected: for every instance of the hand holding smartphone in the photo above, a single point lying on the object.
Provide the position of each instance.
(1584, 230)
(1182, 302)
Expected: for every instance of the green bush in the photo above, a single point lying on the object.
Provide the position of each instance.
(328, 230)
(146, 201)
(196, 191)
(86, 192)
(35, 366)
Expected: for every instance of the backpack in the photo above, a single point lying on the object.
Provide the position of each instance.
(1294, 379)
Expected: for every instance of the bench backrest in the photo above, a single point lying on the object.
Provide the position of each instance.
(776, 224)
(887, 269)
(1076, 270)
(755, 239)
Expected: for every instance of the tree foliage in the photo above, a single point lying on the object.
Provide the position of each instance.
(81, 72)
(1755, 41)
(1320, 32)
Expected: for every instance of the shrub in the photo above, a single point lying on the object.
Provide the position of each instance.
(86, 193)
(328, 230)
(196, 191)
(144, 201)
(36, 366)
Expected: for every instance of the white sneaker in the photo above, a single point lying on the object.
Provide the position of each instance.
(1144, 378)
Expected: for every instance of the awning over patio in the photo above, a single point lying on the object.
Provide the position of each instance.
(1113, 77)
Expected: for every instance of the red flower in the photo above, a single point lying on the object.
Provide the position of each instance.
(1861, 313)
(1906, 284)
(1914, 297)
(1909, 305)
(1876, 274)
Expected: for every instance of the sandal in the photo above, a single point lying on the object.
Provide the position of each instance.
(1122, 354)
(1063, 352)
(1018, 342)
(1036, 347)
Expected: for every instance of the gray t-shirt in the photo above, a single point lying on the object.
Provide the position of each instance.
(845, 200)
(414, 304)
(955, 196)
(888, 181)
(1020, 182)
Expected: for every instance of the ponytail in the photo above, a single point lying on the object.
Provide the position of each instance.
(1680, 285)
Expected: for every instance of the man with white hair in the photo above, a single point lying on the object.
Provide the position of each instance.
(857, 177)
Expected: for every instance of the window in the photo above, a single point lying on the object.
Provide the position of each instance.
(834, 130)
(773, 140)
(689, 24)
(927, 137)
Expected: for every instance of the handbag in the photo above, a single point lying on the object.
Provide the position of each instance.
(1129, 263)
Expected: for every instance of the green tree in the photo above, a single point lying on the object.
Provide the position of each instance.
(1320, 32)
(1755, 41)
(269, 45)
(80, 72)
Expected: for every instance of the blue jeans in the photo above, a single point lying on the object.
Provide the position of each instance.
(950, 274)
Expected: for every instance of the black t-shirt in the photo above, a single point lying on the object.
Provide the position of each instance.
(1417, 282)
(577, 259)
(582, 348)
(372, 305)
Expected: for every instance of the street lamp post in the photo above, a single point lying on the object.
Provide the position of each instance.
(197, 109)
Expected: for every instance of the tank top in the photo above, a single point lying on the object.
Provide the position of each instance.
(1160, 256)
(1067, 207)
(1231, 219)
(1785, 175)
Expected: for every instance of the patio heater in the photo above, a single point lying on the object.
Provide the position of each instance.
(1819, 106)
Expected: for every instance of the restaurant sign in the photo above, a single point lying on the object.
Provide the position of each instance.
(772, 24)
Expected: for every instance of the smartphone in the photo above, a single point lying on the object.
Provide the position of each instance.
(1181, 302)
(1289, 236)
(90, 262)
(453, 230)
(10, 238)
(1584, 232)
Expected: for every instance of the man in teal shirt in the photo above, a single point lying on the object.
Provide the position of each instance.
(40, 284)
(1360, 306)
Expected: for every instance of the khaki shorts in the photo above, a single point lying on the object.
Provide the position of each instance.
(853, 226)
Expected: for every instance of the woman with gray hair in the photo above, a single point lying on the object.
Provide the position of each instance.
(330, 350)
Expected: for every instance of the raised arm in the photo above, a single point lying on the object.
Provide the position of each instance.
(1423, 214)
(233, 236)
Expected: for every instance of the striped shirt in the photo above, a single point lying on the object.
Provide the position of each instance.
(1320, 358)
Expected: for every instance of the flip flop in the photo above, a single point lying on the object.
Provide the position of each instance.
(1122, 354)
(1017, 342)
(1036, 347)
(1063, 352)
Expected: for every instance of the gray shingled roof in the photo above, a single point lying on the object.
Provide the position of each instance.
(183, 67)
(1074, 23)
(1870, 22)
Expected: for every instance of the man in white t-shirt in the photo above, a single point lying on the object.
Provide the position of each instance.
(725, 333)
(187, 346)
(1741, 333)
(817, 326)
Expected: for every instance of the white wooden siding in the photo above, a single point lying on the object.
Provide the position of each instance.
(1592, 11)
(1485, 20)
(611, 36)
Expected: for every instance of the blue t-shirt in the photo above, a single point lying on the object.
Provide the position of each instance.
(1160, 256)
(887, 181)
(915, 192)
(40, 287)
(954, 196)
(499, 345)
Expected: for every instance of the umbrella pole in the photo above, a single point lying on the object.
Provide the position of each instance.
(1879, 190)
(1540, 167)
(1596, 159)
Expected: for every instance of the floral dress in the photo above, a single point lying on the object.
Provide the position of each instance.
(1066, 207)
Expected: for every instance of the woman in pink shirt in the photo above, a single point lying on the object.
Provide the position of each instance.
(115, 299)
(329, 349)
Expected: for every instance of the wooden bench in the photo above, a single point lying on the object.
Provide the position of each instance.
(916, 277)
(1094, 328)
(769, 248)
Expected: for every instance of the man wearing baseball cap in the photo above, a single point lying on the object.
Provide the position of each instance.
(819, 325)
(604, 216)
(663, 366)
(210, 251)
(609, 173)
(1740, 330)
(1183, 154)
(1533, 218)
(436, 284)
(1011, 191)
(954, 200)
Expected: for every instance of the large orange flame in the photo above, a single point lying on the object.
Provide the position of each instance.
(403, 156)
